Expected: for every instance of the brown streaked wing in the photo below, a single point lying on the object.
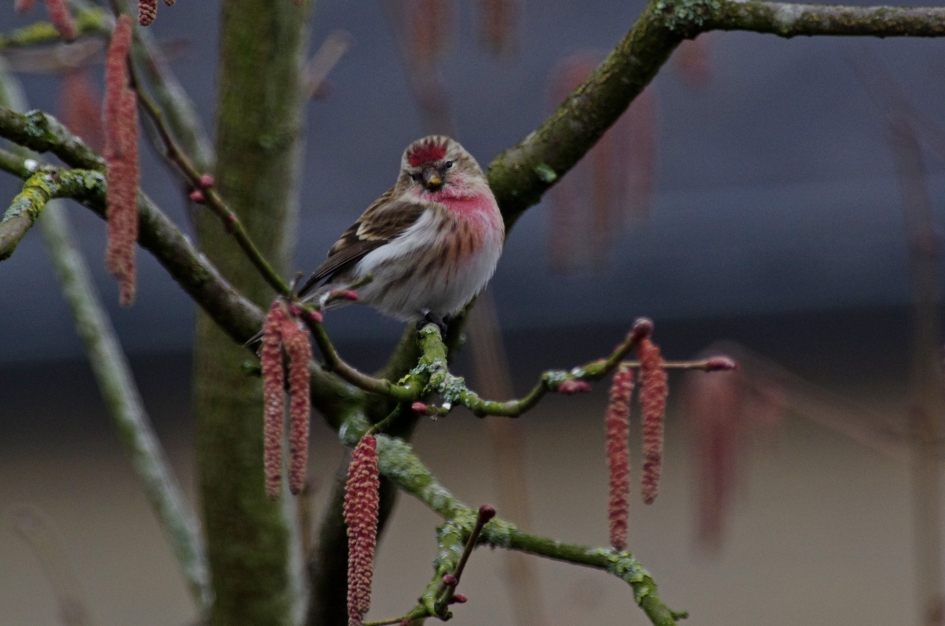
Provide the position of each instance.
(382, 222)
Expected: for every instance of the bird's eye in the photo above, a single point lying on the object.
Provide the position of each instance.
(416, 177)
(449, 164)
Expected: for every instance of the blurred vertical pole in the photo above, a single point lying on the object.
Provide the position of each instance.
(926, 402)
(259, 144)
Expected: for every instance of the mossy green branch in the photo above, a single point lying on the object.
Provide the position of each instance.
(397, 461)
(42, 132)
(41, 187)
(92, 20)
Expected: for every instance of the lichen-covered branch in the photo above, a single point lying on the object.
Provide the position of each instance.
(125, 407)
(238, 317)
(43, 185)
(790, 20)
(397, 462)
(41, 132)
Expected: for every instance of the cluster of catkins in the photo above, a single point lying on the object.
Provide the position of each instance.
(282, 332)
(653, 391)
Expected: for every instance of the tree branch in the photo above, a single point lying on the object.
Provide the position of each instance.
(520, 175)
(211, 198)
(41, 187)
(397, 462)
(790, 20)
(238, 317)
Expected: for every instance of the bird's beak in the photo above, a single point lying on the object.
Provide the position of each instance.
(432, 180)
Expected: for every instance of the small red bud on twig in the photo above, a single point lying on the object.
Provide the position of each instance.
(653, 391)
(720, 364)
(643, 327)
(349, 294)
(317, 317)
(458, 598)
(206, 181)
(571, 387)
(360, 510)
(197, 196)
(22, 6)
(419, 407)
(273, 375)
(617, 425)
(486, 513)
(449, 580)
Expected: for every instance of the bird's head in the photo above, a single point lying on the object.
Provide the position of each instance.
(438, 164)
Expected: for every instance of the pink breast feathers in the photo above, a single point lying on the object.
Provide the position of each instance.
(424, 153)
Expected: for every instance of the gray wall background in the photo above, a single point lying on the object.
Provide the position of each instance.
(776, 188)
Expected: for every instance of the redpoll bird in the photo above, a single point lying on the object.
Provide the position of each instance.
(430, 243)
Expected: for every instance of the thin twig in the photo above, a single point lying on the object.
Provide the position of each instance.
(212, 199)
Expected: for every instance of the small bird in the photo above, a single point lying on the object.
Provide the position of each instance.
(430, 243)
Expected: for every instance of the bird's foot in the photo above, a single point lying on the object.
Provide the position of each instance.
(432, 318)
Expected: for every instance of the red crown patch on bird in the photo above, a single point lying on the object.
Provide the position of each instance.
(425, 153)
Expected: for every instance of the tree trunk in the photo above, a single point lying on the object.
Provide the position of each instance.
(258, 148)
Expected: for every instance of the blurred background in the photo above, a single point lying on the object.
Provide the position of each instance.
(761, 192)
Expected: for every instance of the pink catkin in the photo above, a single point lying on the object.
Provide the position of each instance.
(147, 11)
(568, 236)
(617, 425)
(636, 139)
(431, 28)
(653, 391)
(360, 509)
(61, 19)
(608, 189)
(121, 156)
(714, 406)
(498, 24)
(273, 375)
(692, 63)
(299, 350)
(79, 107)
